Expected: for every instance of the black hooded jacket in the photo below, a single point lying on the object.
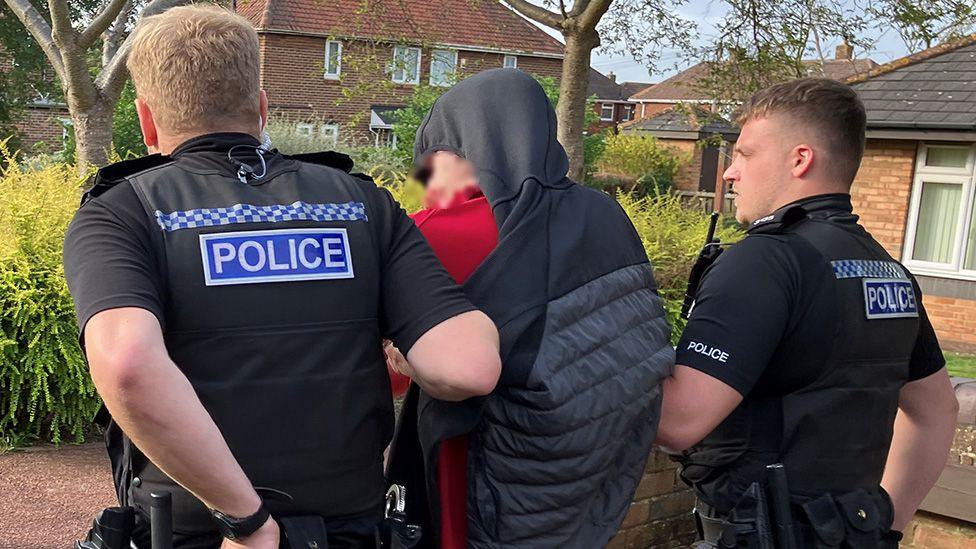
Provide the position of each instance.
(557, 451)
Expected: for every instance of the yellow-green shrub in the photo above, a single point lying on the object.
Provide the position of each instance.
(45, 389)
(640, 159)
(672, 234)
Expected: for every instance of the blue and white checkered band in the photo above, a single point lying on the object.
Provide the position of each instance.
(248, 213)
(867, 268)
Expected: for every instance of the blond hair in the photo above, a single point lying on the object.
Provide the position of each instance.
(198, 68)
(830, 108)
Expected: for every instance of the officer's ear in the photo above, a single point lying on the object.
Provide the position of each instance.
(147, 124)
(801, 159)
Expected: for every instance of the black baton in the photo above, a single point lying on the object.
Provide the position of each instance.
(779, 496)
(161, 520)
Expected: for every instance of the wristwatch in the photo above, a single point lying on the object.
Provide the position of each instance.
(237, 528)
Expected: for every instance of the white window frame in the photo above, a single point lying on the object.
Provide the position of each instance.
(612, 112)
(338, 73)
(396, 55)
(628, 112)
(513, 59)
(330, 128)
(433, 55)
(966, 177)
(304, 129)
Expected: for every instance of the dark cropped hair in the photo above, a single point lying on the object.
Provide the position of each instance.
(830, 107)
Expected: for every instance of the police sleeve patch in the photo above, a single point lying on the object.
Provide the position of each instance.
(889, 298)
(282, 255)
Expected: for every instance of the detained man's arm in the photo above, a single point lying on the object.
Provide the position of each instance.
(456, 359)
(694, 404)
(157, 408)
(924, 428)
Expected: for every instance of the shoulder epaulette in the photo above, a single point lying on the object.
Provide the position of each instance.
(113, 174)
(778, 220)
(331, 159)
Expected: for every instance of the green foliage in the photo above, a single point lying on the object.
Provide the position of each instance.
(409, 117)
(126, 134)
(641, 160)
(45, 390)
(922, 25)
(672, 234)
(961, 365)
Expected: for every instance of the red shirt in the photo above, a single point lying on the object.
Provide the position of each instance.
(462, 235)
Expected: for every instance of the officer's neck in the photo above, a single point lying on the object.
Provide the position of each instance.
(169, 142)
(809, 189)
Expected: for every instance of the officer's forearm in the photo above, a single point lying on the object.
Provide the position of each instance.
(157, 408)
(924, 428)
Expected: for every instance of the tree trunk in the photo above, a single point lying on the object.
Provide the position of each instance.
(572, 106)
(93, 135)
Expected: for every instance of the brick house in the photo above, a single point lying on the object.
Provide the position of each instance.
(611, 101)
(341, 68)
(682, 87)
(916, 189)
(43, 125)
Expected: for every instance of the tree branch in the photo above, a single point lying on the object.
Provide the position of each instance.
(112, 36)
(113, 75)
(40, 30)
(61, 30)
(593, 12)
(101, 23)
(536, 13)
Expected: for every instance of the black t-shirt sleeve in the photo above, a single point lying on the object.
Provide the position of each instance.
(927, 357)
(107, 259)
(417, 292)
(741, 312)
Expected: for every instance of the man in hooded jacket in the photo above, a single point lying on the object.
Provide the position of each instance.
(555, 453)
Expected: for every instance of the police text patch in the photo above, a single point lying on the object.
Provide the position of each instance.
(282, 255)
(889, 298)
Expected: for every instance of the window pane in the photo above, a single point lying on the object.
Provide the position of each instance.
(332, 58)
(938, 219)
(411, 64)
(946, 157)
(510, 62)
(970, 256)
(606, 112)
(442, 67)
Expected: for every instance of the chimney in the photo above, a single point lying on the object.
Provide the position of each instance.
(844, 51)
(612, 77)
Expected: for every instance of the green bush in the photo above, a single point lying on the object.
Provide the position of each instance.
(45, 390)
(672, 234)
(642, 161)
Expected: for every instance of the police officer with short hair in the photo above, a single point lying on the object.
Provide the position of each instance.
(807, 346)
(232, 303)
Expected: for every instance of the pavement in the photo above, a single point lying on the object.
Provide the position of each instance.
(49, 495)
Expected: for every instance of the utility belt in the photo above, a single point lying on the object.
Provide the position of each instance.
(766, 516)
(114, 527)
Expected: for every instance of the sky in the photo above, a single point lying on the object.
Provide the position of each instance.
(888, 46)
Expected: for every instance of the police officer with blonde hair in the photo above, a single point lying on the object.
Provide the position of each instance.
(232, 303)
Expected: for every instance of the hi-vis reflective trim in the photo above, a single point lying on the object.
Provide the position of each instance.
(281, 255)
(248, 213)
(889, 299)
(868, 268)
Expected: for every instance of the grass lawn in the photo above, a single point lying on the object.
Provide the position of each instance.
(961, 365)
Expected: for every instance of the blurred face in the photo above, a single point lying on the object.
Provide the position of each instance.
(761, 169)
(449, 175)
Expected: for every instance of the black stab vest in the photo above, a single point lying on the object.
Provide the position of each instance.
(832, 434)
(281, 341)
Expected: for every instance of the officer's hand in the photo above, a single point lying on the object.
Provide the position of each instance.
(266, 537)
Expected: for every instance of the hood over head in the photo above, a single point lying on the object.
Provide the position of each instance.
(501, 121)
